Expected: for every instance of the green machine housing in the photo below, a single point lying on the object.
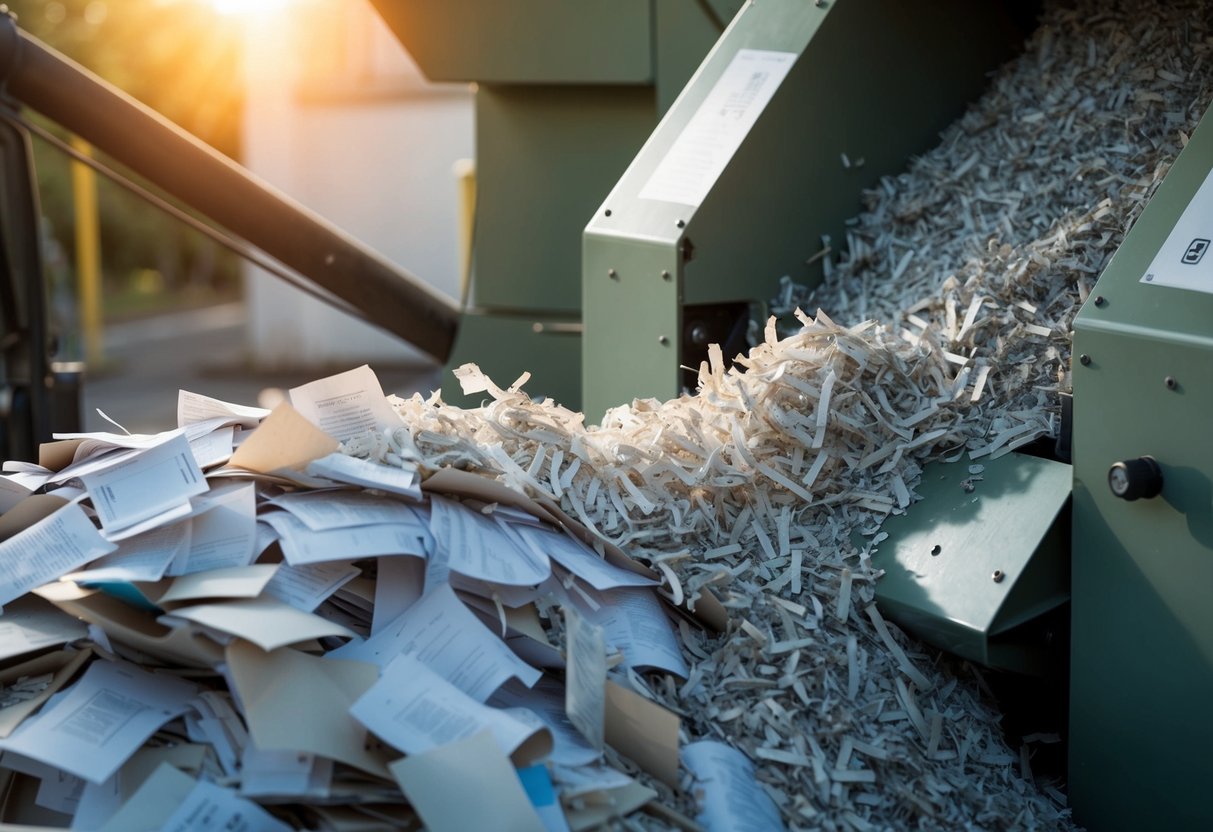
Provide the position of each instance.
(1141, 677)
(566, 93)
(568, 102)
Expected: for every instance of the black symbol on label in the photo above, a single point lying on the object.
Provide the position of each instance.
(1196, 250)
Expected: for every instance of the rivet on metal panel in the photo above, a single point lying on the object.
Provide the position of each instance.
(1084, 359)
(681, 223)
(665, 274)
(821, 4)
(661, 339)
(607, 212)
(997, 576)
(936, 549)
(1099, 300)
(1170, 382)
(612, 274)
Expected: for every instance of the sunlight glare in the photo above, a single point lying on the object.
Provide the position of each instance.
(247, 6)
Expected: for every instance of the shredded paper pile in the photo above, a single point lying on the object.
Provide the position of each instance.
(363, 612)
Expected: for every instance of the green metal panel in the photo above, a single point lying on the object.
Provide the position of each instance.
(875, 79)
(1142, 621)
(526, 41)
(685, 31)
(942, 555)
(633, 289)
(545, 155)
(506, 346)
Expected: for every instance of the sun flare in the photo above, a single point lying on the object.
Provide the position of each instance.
(234, 7)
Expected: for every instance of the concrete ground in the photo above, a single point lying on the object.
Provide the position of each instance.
(203, 351)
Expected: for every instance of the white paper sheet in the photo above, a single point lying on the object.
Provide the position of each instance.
(284, 774)
(225, 582)
(585, 694)
(54, 546)
(306, 587)
(213, 448)
(145, 484)
(635, 623)
(578, 558)
(342, 468)
(97, 724)
(12, 491)
(444, 634)
(479, 547)
(142, 557)
(301, 545)
(194, 407)
(57, 791)
(728, 796)
(414, 709)
(30, 624)
(224, 531)
(346, 405)
(266, 622)
(211, 808)
(398, 585)
(546, 702)
(342, 508)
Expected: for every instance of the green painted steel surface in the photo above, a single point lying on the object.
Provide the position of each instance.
(875, 79)
(506, 346)
(544, 157)
(1142, 621)
(941, 557)
(526, 41)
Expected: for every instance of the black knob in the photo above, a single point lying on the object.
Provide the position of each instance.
(1135, 479)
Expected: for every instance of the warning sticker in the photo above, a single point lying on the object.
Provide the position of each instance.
(1182, 262)
(709, 140)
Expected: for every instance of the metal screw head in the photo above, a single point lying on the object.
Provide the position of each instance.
(936, 549)
(1084, 359)
(661, 339)
(665, 275)
(681, 223)
(1170, 382)
(997, 576)
(1099, 300)
(607, 212)
(612, 274)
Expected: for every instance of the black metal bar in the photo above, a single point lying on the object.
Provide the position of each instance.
(210, 183)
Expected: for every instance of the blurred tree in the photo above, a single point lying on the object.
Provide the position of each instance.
(182, 59)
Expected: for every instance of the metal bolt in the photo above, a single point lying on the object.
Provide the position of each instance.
(607, 212)
(1170, 382)
(661, 339)
(612, 274)
(821, 4)
(681, 223)
(936, 549)
(1084, 359)
(997, 576)
(665, 274)
(1099, 300)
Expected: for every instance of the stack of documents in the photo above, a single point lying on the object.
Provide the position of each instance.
(234, 625)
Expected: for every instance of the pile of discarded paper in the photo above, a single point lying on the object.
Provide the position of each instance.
(427, 623)
(234, 622)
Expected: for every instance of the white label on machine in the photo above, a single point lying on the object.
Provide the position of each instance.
(709, 140)
(1184, 261)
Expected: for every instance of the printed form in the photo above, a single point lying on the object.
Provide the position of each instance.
(98, 723)
(445, 635)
